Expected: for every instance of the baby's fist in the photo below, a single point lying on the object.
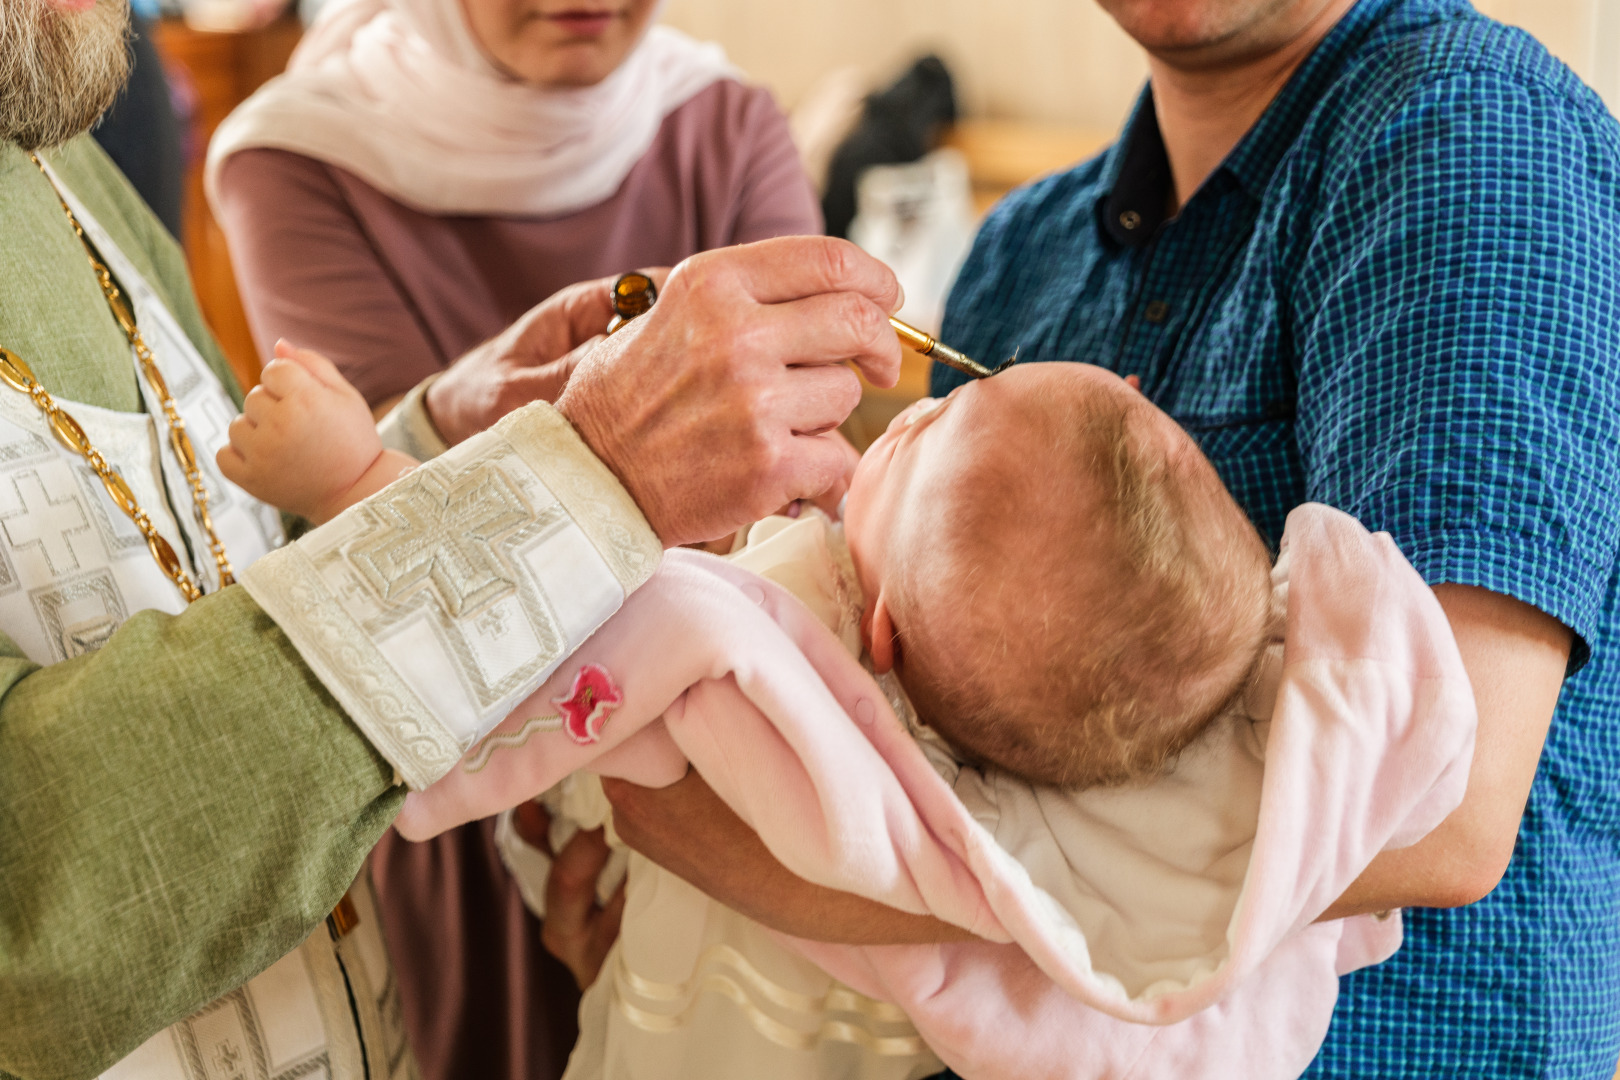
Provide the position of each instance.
(304, 438)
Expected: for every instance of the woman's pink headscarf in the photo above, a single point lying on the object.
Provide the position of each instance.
(399, 93)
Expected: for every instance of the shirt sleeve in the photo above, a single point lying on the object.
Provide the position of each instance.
(409, 429)
(307, 271)
(1458, 314)
(177, 812)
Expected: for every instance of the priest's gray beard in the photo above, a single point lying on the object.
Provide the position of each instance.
(59, 70)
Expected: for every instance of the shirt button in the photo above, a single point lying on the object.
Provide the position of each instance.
(1130, 219)
(1156, 311)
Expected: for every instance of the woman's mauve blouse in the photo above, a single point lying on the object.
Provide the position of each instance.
(392, 294)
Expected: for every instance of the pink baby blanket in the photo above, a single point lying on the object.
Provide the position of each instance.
(1367, 748)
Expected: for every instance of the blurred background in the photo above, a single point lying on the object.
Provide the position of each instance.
(1053, 61)
(1014, 89)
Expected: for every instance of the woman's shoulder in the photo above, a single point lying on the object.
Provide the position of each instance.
(731, 145)
(264, 174)
(730, 114)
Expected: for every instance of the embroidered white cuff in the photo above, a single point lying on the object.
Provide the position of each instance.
(433, 607)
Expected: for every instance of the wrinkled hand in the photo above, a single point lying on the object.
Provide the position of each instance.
(718, 406)
(305, 436)
(531, 360)
(577, 930)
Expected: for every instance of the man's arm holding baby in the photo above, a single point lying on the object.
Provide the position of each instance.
(1515, 656)
(685, 827)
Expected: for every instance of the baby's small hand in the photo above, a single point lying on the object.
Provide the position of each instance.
(305, 436)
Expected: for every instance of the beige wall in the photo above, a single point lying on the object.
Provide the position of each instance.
(1061, 61)
(1582, 33)
(1056, 60)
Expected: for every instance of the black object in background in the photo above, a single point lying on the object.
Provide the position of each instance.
(897, 126)
(142, 134)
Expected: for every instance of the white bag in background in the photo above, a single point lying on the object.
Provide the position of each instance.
(919, 219)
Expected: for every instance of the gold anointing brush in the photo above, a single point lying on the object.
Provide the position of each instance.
(932, 347)
(634, 295)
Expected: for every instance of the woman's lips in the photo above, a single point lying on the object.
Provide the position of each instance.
(584, 23)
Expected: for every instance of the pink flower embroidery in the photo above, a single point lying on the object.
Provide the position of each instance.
(587, 705)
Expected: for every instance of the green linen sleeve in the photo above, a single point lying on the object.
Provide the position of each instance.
(177, 812)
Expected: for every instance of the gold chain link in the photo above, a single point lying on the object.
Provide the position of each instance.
(17, 375)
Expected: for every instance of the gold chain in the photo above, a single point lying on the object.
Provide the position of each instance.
(16, 374)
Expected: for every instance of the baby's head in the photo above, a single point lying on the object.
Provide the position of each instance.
(1056, 574)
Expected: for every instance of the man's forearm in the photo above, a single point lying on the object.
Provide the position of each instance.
(785, 902)
(1515, 656)
(180, 809)
(681, 827)
(504, 554)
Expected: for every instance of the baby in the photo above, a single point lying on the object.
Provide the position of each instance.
(1070, 598)
(1054, 573)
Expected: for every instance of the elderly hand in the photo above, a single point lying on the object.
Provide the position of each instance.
(719, 406)
(529, 361)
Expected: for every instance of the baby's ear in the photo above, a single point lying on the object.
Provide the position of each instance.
(878, 631)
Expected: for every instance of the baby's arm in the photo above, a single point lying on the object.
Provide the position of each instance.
(306, 442)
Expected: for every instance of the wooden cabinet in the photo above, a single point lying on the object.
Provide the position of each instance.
(224, 68)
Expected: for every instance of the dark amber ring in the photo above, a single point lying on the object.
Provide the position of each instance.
(633, 294)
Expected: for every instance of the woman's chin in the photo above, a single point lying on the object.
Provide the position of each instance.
(571, 65)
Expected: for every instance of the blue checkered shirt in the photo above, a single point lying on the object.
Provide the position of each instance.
(1399, 295)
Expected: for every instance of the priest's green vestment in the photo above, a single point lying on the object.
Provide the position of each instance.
(182, 806)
